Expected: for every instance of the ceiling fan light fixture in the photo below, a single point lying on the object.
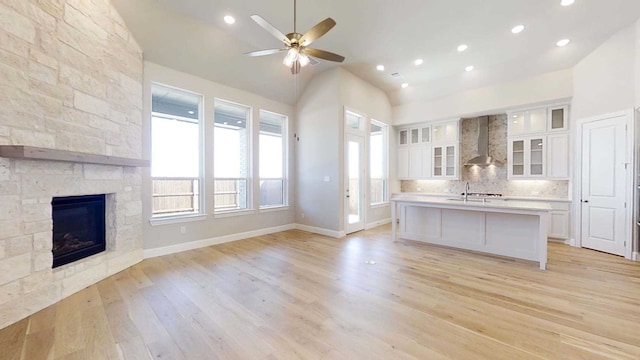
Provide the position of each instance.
(304, 60)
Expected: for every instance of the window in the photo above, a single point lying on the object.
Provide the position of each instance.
(378, 162)
(175, 152)
(231, 161)
(353, 121)
(273, 159)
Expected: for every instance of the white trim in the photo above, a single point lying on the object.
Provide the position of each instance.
(274, 208)
(321, 231)
(172, 249)
(377, 223)
(635, 256)
(380, 205)
(157, 221)
(560, 241)
(231, 213)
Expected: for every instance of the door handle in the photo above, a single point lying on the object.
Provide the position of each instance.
(584, 201)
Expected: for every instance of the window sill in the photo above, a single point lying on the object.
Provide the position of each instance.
(166, 220)
(231, 213)
(380, 205)
(274, 208)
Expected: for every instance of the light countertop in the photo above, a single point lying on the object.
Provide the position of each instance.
(474, 203)
(455, 195)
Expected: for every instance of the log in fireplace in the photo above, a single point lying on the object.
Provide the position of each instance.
(78, 227)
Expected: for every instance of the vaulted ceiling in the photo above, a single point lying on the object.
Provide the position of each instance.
(191, 36)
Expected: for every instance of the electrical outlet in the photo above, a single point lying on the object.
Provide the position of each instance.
(535, 193)
(183, 229)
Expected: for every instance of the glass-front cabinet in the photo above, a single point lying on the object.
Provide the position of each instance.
(429, 151)
(557, 116)
(528, 122)
(527, 157)
(445, 161)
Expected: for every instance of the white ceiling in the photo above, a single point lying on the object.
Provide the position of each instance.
(191, 36)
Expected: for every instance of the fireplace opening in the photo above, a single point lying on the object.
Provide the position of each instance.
(78, 227)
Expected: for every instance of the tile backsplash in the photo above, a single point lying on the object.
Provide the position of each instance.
(492, 179)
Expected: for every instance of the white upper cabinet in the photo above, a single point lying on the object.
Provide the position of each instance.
(446, 132)
(527, 157)
(558, 156)
(558, 118)
(419, 146)
(527, 122)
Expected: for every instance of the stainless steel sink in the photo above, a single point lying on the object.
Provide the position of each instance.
(470, 200)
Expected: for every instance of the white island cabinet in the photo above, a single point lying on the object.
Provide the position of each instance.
(510, 228)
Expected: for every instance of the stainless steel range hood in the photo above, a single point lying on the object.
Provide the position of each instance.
(483, 159)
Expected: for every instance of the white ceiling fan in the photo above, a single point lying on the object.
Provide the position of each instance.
(296, 44)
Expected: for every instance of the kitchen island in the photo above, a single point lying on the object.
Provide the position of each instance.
(510, 228)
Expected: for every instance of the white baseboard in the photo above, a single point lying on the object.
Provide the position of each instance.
(320, 231)
(635, 256)
(172, 249)
(377, 223)
(561, 241)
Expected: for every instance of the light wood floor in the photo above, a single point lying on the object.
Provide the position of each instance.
(296, 295)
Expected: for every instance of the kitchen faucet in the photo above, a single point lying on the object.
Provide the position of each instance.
(466, 191)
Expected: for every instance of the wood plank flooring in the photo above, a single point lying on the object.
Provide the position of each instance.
(295, 295)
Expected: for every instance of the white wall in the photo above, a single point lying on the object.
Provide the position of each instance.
(320, 151)
(158, 236)
(489, 100)
(359, 95)
(605, 81)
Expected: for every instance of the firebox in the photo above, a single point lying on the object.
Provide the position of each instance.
(78, 227)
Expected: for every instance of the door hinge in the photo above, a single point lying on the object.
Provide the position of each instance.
(625, 204)
(625, 244)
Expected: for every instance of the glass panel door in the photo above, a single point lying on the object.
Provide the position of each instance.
(517, 168)
(451, 161)
(354, 184)
(538, 120)
(437, 161)
(536, 156)
(404, 134)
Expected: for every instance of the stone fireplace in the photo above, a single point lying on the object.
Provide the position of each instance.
(71, 79)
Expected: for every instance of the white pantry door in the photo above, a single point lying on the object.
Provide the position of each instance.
(354, 183)
(603, 185)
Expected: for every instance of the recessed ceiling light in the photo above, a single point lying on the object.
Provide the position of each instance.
(462, 47)
(517, 29)
(405, 85)
(563, 42)
(191, 112)
(418, 62)
(380, 67)
(567, 2)
(239, 121)
(469, 68)
(229, 19)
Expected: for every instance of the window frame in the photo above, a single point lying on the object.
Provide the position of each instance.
(249, 208)
(285, 161)
(385, 162)
(202, 210)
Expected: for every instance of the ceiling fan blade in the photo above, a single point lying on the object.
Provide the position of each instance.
(326, 55)
(264, 52)
(270, 28)
(317, 31)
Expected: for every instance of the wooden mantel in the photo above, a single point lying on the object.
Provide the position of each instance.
(38, 153)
